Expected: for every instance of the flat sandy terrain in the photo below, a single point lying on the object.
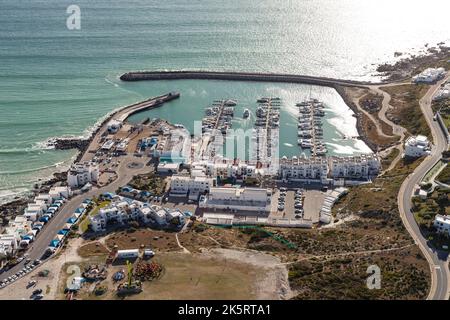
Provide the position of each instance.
(209, 274)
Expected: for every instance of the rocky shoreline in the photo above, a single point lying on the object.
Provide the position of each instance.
(11, 209)
(407, 67)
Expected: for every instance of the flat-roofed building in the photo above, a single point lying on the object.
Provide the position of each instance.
(82, 173)
(442, 224)
(429, 75)
(354, 167)
(304, 169)
(238, 199)
(181, 185)
(417, 146)
(168, 168)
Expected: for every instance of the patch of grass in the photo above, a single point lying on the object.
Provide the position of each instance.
(84, 224)
(149, 182)
(444, 175)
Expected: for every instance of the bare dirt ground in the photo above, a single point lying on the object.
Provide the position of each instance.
(208, 272)
(274, 284)
(49, 284)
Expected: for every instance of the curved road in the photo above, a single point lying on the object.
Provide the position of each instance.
(50, 229)
(437, 259)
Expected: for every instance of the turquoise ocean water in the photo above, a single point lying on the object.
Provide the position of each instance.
(56, 82)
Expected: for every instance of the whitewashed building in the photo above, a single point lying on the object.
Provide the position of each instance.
(417, 146)
(82, 173)
(355, 167)
(122, 210)
(168, 168)
(224, 169)
(238, 199)
(442, 224)
(429, 75)
(181, 185)
(304, 169)
(58, 192)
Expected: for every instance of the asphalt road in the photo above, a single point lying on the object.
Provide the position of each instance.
(50, 229)
(436, 258)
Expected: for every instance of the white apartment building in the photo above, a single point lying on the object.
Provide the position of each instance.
(355, 167)
(429, 75)
(304, 169)
(11, 238)
(121, 211)
(238, 199)
(82, 173)
(417, 146)
(181, 185)
(442, 224)
(60, 192)
(225, 169)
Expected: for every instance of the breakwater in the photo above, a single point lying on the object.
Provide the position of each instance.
(121, 114)
(240, 76)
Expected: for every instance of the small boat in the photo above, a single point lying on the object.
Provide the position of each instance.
(260, 112)
(230, 103)
(246, 114)
(305, 143)
(263, 100)
(304, 133)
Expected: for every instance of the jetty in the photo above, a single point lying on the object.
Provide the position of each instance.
(125, 112)
(242, 76)
(310, 126)
(266, 129)
(120, 115)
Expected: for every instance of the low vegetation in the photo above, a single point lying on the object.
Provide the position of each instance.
(444, 175)
(438, 202)
(402, 277)
(151, 182)
(406, 112)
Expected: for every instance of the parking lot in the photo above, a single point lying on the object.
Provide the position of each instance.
(288, 203)
(29, 266)
(294, 204)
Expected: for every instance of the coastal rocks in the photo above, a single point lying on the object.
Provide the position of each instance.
(71, 143)
(10, 210)
(408, 66)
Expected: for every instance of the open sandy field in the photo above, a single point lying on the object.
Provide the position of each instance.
(214, 273)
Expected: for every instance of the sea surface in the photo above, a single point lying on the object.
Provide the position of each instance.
(56, 82)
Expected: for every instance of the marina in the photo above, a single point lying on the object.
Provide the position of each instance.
(310, 132)
(218, 116)
(265, 137)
